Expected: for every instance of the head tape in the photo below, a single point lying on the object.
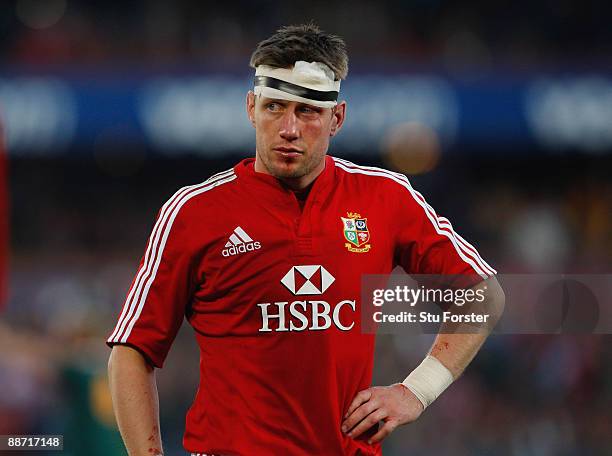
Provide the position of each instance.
(311, 83)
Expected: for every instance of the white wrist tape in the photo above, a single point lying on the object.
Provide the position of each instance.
(428, 380)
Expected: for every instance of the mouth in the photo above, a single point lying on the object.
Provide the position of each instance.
(288, 152)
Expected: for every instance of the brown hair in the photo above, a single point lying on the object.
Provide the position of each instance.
(302, 42)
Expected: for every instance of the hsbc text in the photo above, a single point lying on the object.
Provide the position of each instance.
(311, 316)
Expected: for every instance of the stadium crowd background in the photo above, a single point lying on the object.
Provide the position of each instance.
(80, 214)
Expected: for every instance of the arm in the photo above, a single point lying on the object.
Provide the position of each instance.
(135, 401)
(455, 350)
(397, 404)
(152, 314)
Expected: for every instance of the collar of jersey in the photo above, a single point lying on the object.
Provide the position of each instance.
(245, 170)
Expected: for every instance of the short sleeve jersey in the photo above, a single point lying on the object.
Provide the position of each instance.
(272, 290)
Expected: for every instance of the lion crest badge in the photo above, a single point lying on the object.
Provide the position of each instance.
(355, 228)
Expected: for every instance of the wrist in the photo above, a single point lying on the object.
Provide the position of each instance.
(428, 380)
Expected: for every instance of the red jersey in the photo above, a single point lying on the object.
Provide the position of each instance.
(272, 290)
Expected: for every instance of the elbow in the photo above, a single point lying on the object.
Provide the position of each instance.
(500, 299)
(497, 300)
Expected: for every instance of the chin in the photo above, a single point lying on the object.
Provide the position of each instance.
(286, 168)
(290, 171)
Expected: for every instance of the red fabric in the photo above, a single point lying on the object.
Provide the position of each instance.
(275, 392)
(4, 221)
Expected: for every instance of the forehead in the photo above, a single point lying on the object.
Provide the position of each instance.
(265, 100)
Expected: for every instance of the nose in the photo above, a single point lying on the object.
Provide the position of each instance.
(289, 130)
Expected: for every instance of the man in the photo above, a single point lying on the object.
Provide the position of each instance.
(258, 261)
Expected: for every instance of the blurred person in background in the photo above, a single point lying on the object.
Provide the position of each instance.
(4, 219)
(232, 252)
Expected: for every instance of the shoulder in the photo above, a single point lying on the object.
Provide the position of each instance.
(191, 196)
(372, 176)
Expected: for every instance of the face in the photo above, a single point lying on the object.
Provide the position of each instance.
(292, 138)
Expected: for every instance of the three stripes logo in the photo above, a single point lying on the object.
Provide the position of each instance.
(239, 242)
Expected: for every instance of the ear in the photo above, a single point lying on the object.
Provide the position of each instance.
(338, 115)
(250, 106)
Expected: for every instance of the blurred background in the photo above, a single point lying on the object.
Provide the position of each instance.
(500, 113)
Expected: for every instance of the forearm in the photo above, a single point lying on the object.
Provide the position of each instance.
(456, 345)
(135, 401)
(456, 351)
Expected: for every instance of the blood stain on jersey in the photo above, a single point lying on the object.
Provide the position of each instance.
(355, 228)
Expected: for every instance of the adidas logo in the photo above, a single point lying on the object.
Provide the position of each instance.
(240, 242)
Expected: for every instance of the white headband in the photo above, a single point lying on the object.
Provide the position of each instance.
(311, 83)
